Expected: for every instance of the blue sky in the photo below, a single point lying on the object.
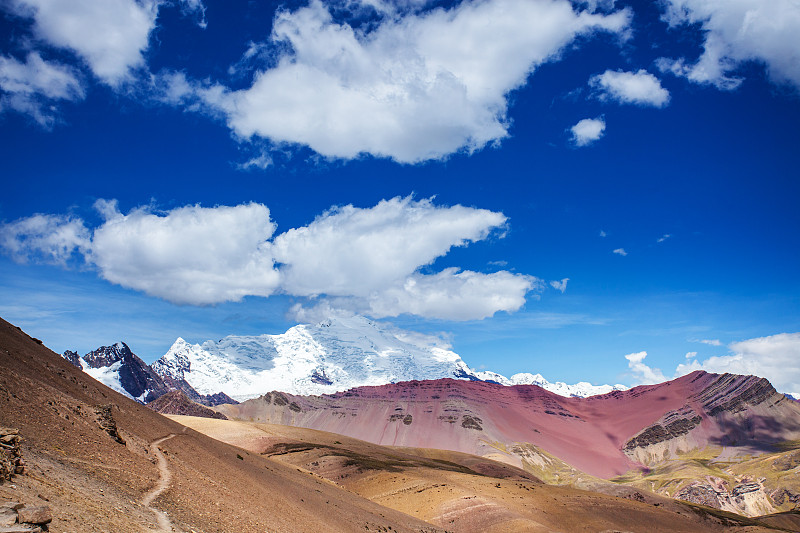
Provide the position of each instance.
(200, 169)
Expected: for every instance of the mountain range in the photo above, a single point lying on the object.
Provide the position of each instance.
(103, 462)
(332, 356)
(713, 422)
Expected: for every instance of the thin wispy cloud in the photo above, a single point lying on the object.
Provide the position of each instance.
(735, 33)
(710, 342)
(620, 251)
(34, 86)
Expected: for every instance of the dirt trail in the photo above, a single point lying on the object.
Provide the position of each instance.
(164, 524)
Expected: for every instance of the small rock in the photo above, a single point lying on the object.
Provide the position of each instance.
(35, 514)
(8, 517)
(20, 528)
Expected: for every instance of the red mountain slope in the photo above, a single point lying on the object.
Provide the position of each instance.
(605, 435)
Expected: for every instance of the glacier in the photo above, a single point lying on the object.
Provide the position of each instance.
(334, 355)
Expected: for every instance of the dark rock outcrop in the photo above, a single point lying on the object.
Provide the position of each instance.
(177, 403)
(732, 393)
(135, 376)
(700, 494)
(73, 358)
(11, 462)
(105, 419)
(672, 425)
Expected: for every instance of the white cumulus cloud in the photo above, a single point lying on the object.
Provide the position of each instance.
(736, 31)
(620, 251)
(191, 255)
(776, 357)
(354, 251)
(587, 131)
(32, 86)
(110, 35)
(415, 87)
(454, 295)
(364, 260)
(639, 88)
(643, 374)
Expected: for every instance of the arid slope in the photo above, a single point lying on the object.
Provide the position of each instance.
(462, 492)
(95, 483)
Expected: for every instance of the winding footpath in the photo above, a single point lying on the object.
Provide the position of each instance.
(165, 476)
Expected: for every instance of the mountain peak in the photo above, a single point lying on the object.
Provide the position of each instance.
(333, 355)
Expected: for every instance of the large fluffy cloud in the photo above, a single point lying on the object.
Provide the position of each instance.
(31, 86)
(191, 255)
(737, 31)
(639, 88)
(453, 295)
(355, 251)
(416, 87)
(363, 260)
(110, 35)
(774, 357)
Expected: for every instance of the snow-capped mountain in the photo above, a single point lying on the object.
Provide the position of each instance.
(117, 367)
(581, 389)
(331, 356)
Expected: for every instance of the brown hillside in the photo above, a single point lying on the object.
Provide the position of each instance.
(462, 492)
(94, 483)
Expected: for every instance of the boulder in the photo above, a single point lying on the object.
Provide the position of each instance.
(35, 514)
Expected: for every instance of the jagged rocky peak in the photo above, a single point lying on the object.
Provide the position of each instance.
(119, 368)
(108, 355)
(732, 393)
(73, 358)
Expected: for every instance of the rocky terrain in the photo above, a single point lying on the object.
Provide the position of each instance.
(11, 461)
(16, 517)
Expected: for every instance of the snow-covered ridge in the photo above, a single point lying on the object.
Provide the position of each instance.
(331, 356)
